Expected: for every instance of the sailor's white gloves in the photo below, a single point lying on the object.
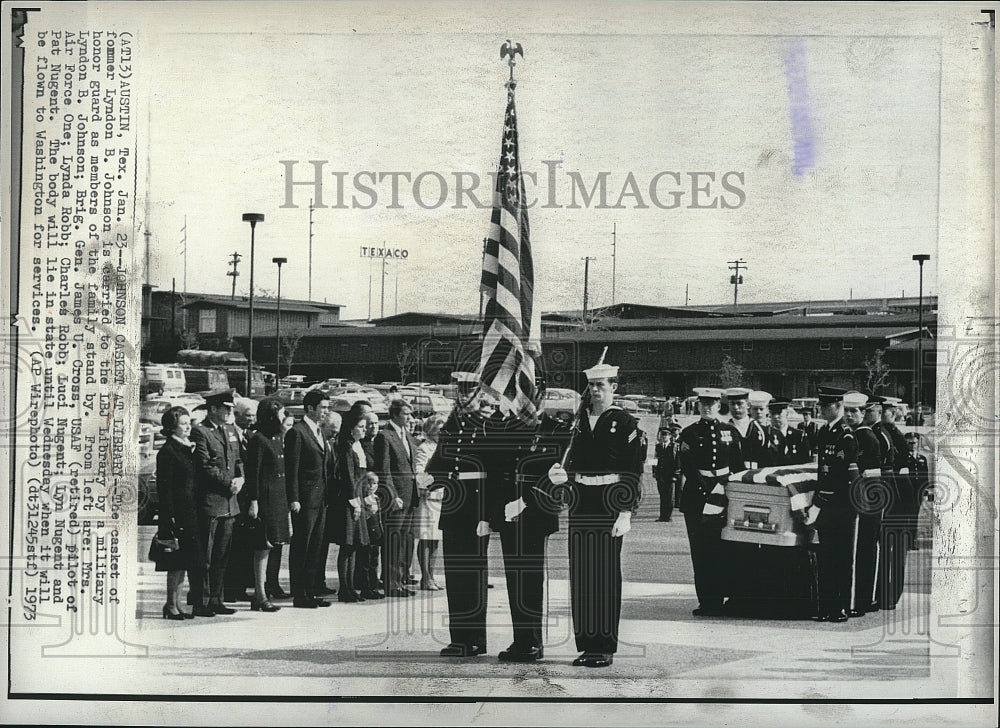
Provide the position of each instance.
(557, 474)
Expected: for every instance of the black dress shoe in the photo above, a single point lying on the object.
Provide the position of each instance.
(458, 650)
(324, 591)
(276, 592)
(321, 602)
(263, 607)
(303, 603)
(349, 596)
(584, 659)
(202, 611)
(820, 618)
(857, 613)
(601, 660)
(372, 594)
(400, 593)
(221, 609)
(838, 617)
(707, 612)
(517, 653)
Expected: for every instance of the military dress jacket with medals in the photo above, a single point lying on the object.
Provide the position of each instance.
(614, 446)
(469, 447)
(217, 460)
(753, 443)
(533, 447)
(785, 448)
(838, 468)
(710, 450)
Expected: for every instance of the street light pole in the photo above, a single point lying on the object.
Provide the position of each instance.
(920, 258)
(586, 283)
(277, 327)
(253, 218)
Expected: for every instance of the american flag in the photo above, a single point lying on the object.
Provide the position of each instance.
(511, 343)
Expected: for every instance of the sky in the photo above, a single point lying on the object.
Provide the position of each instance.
(828, 141)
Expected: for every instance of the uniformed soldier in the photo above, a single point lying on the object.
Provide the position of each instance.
(751, 433)
(709, 450)
(810, 427)
(464, 455)
(605, 461)
(530, 505)
(785, 446)
(868, 498)
(666, 471)
(758, 401)
(899, 521)
(831, 511)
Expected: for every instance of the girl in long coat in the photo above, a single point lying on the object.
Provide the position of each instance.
(265, 489)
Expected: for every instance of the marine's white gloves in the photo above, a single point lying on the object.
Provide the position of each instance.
(483, 529)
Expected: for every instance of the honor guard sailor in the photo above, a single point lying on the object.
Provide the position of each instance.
(899, 521)
(604, 465)
(752, 436)
(709, 451)
(831, 511)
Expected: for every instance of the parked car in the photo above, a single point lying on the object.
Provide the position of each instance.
(291, 398)
(293, 380)
(427, 404)
(204, 379)
(628, 405)
(343, 402)
(157, 378)
(561, 403)
(147, 499)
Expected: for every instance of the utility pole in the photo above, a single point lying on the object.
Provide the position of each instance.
(382, 315)
(396, 306)
(586, 281)
(370, 261)
(921, 258)
(614, 259)
(736, 279)
(185, 241)
(483, 262)
(310, 249)
(173, 308)
(686, 286)
(234, 273)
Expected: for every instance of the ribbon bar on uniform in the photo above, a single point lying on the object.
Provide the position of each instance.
(714, 473)
(608, 479)
(470, 476)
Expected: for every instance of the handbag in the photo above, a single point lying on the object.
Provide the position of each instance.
(161, 547)
(251, 533)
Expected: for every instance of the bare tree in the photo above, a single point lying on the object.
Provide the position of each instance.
(290, 345)
(731, 373)
(878, 371)
(407, 358)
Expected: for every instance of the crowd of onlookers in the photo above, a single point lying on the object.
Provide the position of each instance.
(248, 480)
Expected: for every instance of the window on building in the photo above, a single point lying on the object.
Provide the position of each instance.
(824, 346)
(747, 346)
(727, 347)
(847, 345)
(652, 348)
(206, 321)
(632, 349)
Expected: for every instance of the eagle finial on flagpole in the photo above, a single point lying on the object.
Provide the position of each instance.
(508, 50)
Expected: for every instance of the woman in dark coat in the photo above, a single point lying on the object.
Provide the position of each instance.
(265, 489)
(178, 515)
(348, 522)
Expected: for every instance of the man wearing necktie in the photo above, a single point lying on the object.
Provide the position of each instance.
(394, 451)
(306, 466)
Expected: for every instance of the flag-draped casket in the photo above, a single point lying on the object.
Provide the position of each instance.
(761, 502)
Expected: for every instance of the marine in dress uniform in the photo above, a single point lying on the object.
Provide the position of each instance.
(604, 464)
(467, 450)
(899, 521)
(867, 496)
(530, 505)
(831, 511)
(752, 438)
(709, 450)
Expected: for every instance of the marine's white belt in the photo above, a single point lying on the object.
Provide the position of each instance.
(608, 479)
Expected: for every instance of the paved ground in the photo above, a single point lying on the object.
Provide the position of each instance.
(389, 648)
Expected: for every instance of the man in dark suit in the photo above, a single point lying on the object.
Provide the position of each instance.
(218, 479)
(811, 429)
(395, 449)
(306, 473)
